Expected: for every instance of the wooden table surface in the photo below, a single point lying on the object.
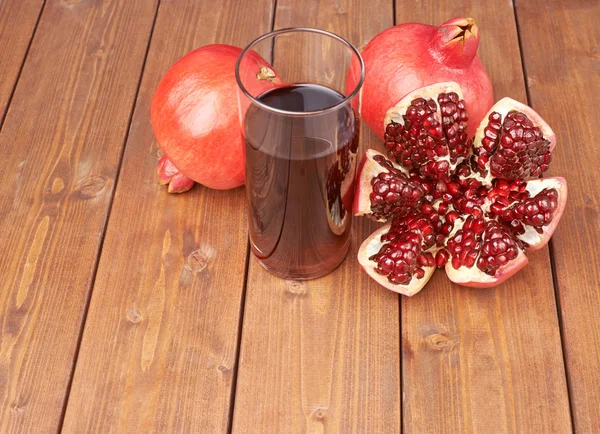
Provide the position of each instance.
(123, 308)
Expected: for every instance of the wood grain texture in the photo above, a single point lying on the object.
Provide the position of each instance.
(17, 24)
(322, 355)
(563, 64)
(484, 360)
(160, 342)
(60, 147)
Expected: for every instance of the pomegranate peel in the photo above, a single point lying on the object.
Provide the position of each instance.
(456, 42)
(339, 188)
(180, 184)
(169, 175)
(348, 187)
(337, 203)
(165, 170)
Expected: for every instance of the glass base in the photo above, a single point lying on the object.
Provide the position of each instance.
(306, 272)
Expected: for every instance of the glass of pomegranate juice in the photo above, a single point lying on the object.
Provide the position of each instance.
(299, 104)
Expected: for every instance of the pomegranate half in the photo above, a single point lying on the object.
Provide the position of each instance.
(473, 206)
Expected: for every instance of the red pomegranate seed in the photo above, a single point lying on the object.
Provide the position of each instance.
(441, 257)
(522, 150)
(394, 194)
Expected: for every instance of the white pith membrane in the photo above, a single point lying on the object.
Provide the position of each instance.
(337, 224)
(534, 239)
(464, 275)
(364, 188)
(396, 113)
(371, 246)
(469, 276)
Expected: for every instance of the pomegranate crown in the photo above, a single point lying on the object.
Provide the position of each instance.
(455, 42)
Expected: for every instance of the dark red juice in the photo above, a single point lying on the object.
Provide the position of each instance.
(300, 180)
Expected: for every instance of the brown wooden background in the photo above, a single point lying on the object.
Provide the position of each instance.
(123, 308)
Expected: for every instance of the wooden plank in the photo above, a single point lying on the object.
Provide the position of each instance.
(18, 19)
(484, 360)
(562, 64)
(60, 147)
(322, 355)
(160, 343)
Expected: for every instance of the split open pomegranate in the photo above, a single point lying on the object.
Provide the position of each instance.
(472, 206)
(413, 55)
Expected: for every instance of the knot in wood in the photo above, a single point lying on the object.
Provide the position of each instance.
(320, 414)
(197, 261)
(296, 288)
(134, 316)
(440, 342)
(99, 52)
(58, 185)
(17, 409)
(590, 203)
(92, 186)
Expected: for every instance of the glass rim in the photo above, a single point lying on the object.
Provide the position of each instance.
(274, 33)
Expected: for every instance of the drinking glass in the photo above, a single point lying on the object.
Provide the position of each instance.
(300, 124)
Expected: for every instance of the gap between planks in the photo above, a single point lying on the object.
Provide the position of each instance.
(245, 288)
(550, 243)
(25, 55)
(110, 204)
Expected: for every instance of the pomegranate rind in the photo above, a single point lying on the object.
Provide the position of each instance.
(371, 246)
(536, 240)
(368, 169)
(180, 184)
(475, 278)
(348, 195)
(457, 26)
(363, 187)
(169, 175)
(506, 105)
(348, 186)
(165, 170)
(336, 225)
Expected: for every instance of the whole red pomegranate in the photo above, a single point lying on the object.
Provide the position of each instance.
(195, 117)
(412, 55)
(473, 206)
